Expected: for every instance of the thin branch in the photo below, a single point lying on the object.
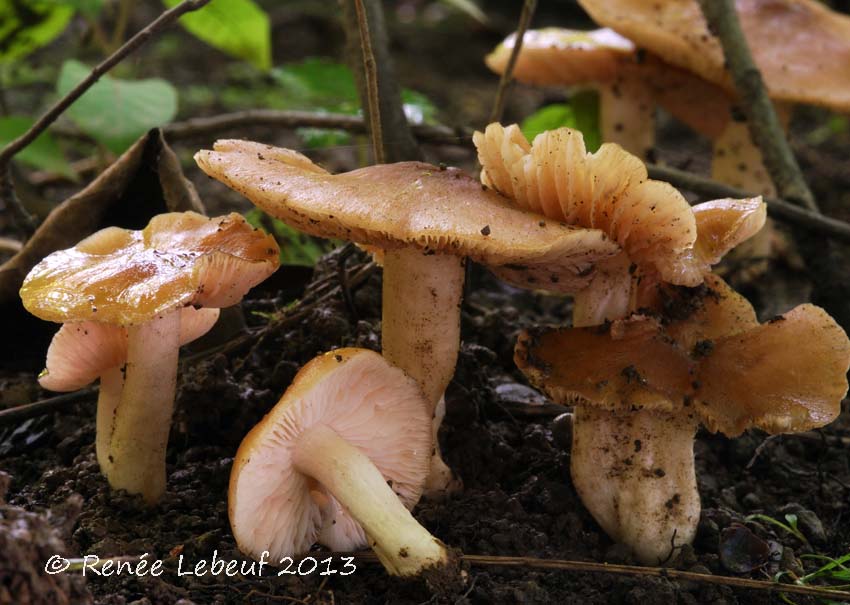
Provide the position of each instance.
(45, 406)
(7, 191)
(398, 142)
(764, 125)
(373, 98)
(199, 127)
(507, 76)
(779, 208)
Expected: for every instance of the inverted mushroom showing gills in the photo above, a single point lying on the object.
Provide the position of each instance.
(427, 220)
(646, 382)
(132, 288)
(347, 446)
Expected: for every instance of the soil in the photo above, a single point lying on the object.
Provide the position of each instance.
(507, 444)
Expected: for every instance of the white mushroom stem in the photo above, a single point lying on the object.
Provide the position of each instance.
(627, 115)
(421, 330)
(404, 547)
(111, 385)
(143, 417)
(634, 471)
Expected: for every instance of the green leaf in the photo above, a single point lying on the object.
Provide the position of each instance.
(43, 153)
(318, 83)
(31, 24)
(238, 27)
(89, 8)
(296, 248)
(117, 112)
(322, 138)
(581, 113)
(418, 108)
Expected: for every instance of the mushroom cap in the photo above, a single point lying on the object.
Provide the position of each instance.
(607, 190)
(556, 56)
(409, 204)
(81, 351)
(368, 402)
(801, 47)
(723, 224)
(128, 277)
(717, 363)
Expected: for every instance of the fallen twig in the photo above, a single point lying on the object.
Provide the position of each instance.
(7, 191)
(767, 132)
(45, 406)
(527, 13)
(779, 208)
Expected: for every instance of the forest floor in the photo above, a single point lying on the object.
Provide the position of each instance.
(506, 443)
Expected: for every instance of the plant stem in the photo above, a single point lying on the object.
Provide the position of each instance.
(528, 8)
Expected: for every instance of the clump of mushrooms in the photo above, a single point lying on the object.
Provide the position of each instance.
(339, 460)
(662, 240)
(427, 221)
(123, 297)
(646, 382)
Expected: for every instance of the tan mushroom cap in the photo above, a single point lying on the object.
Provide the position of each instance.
(607, 190)
(128, 277)
(801, 47)
(372, 405)
(81, 351)
(408, 204)
(723, 224)
(565, 57)
(718, 364)
(555, 56)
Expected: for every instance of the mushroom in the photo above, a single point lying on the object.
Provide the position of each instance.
(643, 384)
(84, 351)
(426, 220)
(630, 83)
(349, 446)
(801, 47)
(140, 280)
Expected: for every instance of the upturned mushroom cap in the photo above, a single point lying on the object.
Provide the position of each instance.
(555, 56)
(366, 401)
(409, 204)
(128, 277)
(801, 47)
(607, 190)
(717, 363)
(81, 351)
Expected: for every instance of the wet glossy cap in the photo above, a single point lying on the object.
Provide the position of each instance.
(409, 204)
(368, 402)
(607, 190)
(801, 47)
(717, 364)
(128, 277)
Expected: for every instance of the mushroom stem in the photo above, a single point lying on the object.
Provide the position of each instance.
(607, 297)
(421, 330)
(143, 417)
(627, 115)
(111, 386)
(634, 471)
(404, 547)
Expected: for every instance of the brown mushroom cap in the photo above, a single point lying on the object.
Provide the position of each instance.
(801, 47)
(717, 363)
(408, 204)
(81, 351)
(369, 403)
(607, 190)
(555, 56)
(128, 277)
